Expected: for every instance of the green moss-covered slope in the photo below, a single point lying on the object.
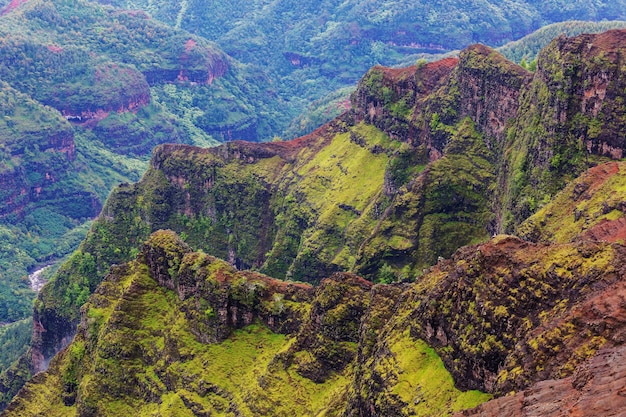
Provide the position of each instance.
(590, 207)
(430, 158)
(182, 333)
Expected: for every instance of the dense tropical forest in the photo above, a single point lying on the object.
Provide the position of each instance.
(88, 89)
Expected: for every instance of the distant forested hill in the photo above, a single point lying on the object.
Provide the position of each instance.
(529, 46)
(312, 47)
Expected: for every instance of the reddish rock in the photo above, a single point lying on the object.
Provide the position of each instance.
(14, 4)
(598, 388)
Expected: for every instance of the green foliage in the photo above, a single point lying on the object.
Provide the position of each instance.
(424, 383)
(386, 275)
(526, 49)
(14, 378)
(449, 206)
(71, 285)
(140, 349)
(14, 339)
(573, 211)
(319, 112)
(313, 49)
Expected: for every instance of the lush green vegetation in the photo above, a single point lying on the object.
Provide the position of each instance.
(148, 349)
(13, 340)
(128, 82)
(309, 49)
(527, 48)
(121, 59)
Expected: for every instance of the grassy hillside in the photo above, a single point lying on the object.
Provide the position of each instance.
(268, 360)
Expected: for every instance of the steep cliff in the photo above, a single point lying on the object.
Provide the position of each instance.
(182, 332)
(571, 111)
(418, 168)
(215, 341)
(429, 159)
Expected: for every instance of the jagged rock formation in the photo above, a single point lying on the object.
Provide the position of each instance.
(597, 388)
(429, 159)
(439, 143)
(293, 354)
(546, 321)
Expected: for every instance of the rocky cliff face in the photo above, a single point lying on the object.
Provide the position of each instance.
(545, 321)
(440, 143)
(293, 351)
(430, 158)
(35, 157)
(595, 389)
(569, 113)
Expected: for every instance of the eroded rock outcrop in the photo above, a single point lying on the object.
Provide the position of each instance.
(443, 174)
(545, 321)
(596, 389)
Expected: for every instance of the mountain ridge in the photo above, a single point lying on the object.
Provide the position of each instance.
(438, 144)
(204, 193)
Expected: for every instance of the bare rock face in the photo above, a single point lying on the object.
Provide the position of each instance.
(340, 302)
(593, 84)
(489, 87)
(164, 252)
(381, 87)
(596, 389)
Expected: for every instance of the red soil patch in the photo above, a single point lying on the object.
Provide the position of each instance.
(189, 45)
(608, 231)
(595, 177)
(612, 40)
(274, 285)
(432, 74)
(399, 72)
(446, 63)
(430, 70)
(54, 48)
(12, 6)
